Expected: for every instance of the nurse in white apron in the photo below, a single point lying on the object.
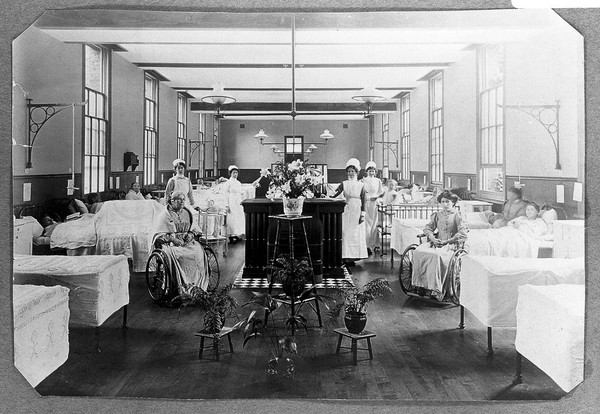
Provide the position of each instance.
(354, 243)
(236, 222)
(373, 190)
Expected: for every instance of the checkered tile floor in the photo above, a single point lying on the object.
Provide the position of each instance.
(262, 283)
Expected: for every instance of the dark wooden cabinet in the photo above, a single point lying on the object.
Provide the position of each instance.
(324, 233)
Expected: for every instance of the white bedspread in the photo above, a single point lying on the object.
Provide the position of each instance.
(41, 329)
(504, 242)
(127, 227)
(99, 285)
(550, 330)
(405, 232)
(489, 285)
(75, 233)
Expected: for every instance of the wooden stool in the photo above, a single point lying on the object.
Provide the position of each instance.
(355, 337)
(225, 332)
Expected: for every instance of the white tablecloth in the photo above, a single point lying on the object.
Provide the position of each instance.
(99, 285)
(41, 329)
(550, 330)
(489, 285)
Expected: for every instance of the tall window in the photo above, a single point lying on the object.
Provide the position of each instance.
(490, 122)
(294, 148)
(405, 135)
(95, 119)
(150, 128)
(436, 129)
(181, 126)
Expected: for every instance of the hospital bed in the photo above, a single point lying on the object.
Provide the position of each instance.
(41, 330)
(550, 331)
(488, 286)
(98, 285)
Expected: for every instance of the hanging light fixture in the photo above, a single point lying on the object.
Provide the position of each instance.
(218, 97)
(369, 95)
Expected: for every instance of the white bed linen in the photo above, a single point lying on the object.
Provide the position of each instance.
(505, 242)
(41, 330)
(99, 285)
(550, 330)
(75, 234)
(489, 284)
(405, 232)
(127, 227)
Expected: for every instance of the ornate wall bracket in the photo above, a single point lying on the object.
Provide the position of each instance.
(547, 116)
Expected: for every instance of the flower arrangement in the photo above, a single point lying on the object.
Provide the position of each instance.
(293, 180)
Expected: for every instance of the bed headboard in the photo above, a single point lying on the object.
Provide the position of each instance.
(34, 210)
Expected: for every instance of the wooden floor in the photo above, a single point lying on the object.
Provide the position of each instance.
(419, 354)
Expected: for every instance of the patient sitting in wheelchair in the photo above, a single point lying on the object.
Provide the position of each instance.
(444, 231)
(177, 238)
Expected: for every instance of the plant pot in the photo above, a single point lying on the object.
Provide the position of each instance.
(279, 369)
(355, 322)
(293, 206)
(293, 288)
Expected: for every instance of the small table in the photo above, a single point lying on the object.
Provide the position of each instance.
(216, 337)
(355, 338)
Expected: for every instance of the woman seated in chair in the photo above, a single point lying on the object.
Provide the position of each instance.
(186, 262)
(444, 231)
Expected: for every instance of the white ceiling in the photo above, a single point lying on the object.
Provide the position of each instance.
(336, 54)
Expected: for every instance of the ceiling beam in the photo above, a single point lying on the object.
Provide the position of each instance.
(286, 107)
(357, 88)
(287, 65)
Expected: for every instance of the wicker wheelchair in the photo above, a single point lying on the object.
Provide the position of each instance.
(452, 274)
(163, 285)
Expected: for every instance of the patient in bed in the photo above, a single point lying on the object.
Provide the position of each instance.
(530, 223)
(513, 207)
(430, 260)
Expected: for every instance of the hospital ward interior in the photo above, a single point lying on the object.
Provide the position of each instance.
(314, 206)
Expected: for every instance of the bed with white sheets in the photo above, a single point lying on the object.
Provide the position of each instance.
(489, 285)
(127, 227)
(41, 330)
(98, 285)
(550, 331)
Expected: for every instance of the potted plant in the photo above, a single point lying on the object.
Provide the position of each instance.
(354, 303)
(281, 364)
(217, 304)
(292, 274)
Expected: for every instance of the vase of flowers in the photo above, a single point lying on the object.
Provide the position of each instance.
(293, 183)
(292, 206)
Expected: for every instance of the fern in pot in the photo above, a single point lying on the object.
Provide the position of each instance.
(218, 305)
(291, 273)
(354, 303)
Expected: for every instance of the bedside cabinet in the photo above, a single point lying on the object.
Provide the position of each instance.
(22, 239)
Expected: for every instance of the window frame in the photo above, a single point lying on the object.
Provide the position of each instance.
(405, 136)
(436, 129)
(95, 145)
(151, 104)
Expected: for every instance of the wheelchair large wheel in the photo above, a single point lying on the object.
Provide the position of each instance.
(157, 279)
(214, 274)
(406, 269)
(454, 274)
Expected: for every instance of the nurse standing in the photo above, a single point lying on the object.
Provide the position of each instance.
(373, 190)
(354, 244)
(236, 225)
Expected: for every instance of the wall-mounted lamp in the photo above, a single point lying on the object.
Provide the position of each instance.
(326, 135)
(261, 136)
